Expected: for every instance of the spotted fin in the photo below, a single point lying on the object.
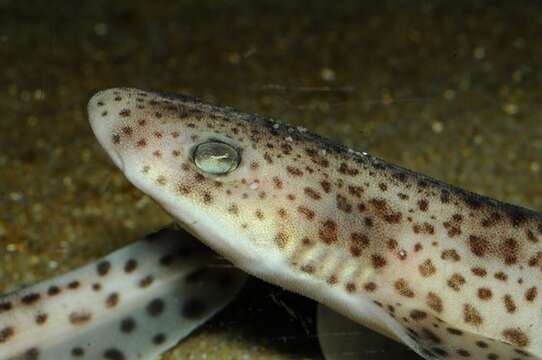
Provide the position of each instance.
(132, 304)
(434, 338)
(343, 339)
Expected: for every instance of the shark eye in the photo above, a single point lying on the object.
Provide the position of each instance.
(216, 158)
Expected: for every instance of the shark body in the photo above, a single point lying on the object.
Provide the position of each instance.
(449, 273)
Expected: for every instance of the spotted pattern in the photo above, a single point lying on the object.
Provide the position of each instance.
(80, 310)
(346, 219)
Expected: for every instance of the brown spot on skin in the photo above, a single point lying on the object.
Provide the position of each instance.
(450, 255)
(510, 249)
(351, 287)
(481, 272)
(378, 261)
(403, 288)
(509, 303)
(294, 171)
(332, 280)
(427, 268)
(73, 285)
(308, 213)
(124, 113)
(233, 209)
(531, 236)
(116, 139)
(281, 239)
(383, 187)
(418, 247)
(183, 189)
(277, 182)
(431, 336)
(79, 318)
(267, 158)
(313, 194)
(53, 290)
(344, 169)
(423, 205)
(146, 281)
(5, 306)
(370, 287)
(282, 213)
(6, 333)
(112, 300)
(130, 266)
(41, 318)
(531, 293)
(491, 220)
(358, 243)
(343, 204)
(391, 244)
(31, 354)
(127, 325)
(207, 198)
(355, 191)
(501, 276)
(456, 281)
(103, 267)
(417, 315)
(328, 232)
(453, 331)
(141, 143)
(393, 218)
(155, 307)
(259, 214)
(484, 293)
(326, 185)
(309, 269)
(478, 245)
(30, 299)
(535, 260)
(434, 302)
(516, 337)
(471, 315)
(113, 354)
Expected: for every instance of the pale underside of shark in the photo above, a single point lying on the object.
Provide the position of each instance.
(450, 274)
(135, 303)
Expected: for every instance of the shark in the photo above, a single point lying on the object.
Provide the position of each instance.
(446, 272)
(134, 303)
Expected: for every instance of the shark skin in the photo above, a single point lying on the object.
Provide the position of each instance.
(448, 273)
(134, 303)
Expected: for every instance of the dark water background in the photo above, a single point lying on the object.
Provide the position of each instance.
(451, 89)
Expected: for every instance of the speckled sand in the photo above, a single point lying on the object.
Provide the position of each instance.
(445, 88)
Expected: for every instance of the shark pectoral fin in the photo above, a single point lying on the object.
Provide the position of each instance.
(343, 339)
(133, 304)
(435, 339)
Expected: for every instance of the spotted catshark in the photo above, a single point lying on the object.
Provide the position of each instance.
(449, 273)
(132, 304)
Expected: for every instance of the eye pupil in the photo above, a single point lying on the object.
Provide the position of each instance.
(216, 158)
